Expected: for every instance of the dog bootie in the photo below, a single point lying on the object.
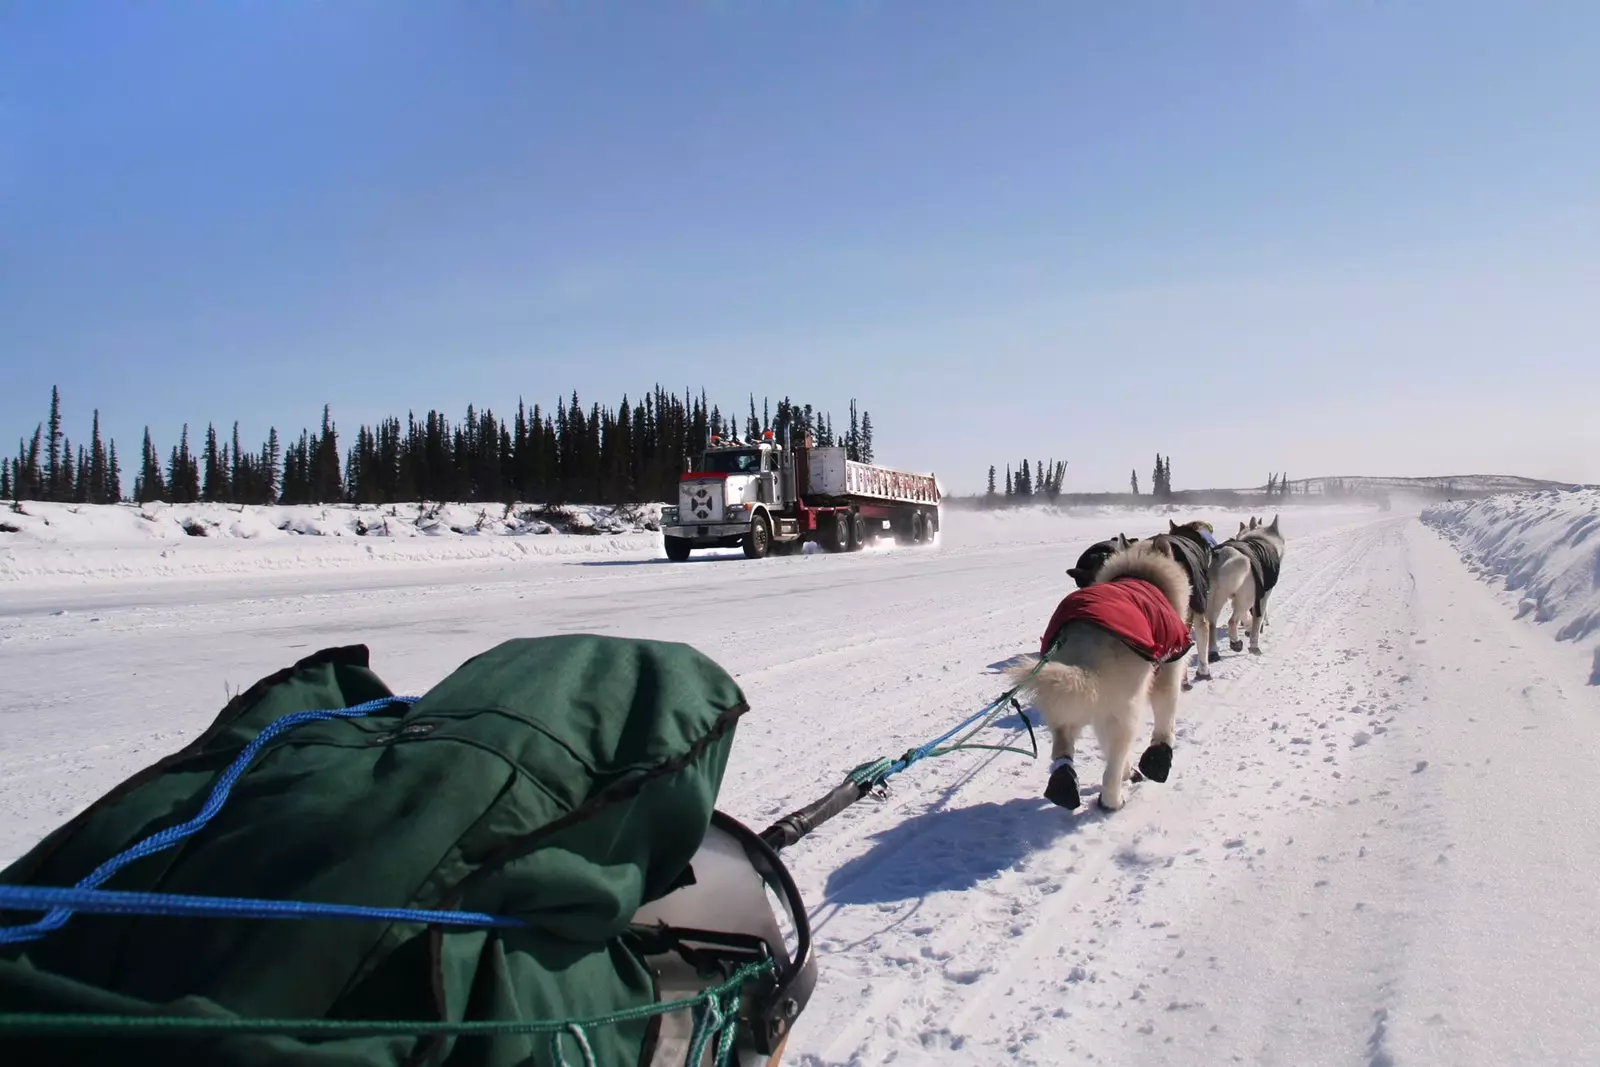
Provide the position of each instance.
(1062, 788)
(1214, 656)
(1156, 763)
(1237, 646)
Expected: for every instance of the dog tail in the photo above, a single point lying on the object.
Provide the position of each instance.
(1057, 682)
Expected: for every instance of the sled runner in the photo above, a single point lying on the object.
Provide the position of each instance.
(523, 866)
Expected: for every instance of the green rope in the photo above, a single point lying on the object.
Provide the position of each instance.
(717, 999)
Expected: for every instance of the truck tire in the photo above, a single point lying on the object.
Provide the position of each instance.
(917, 529)
(836, 532)
(858, 532)
(759, 540)
(677, 548)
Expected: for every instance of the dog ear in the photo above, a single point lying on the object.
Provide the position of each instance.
(1274, 526)
(1075, 574)
(1173, 526)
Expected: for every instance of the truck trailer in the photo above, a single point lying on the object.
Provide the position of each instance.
(769, 499)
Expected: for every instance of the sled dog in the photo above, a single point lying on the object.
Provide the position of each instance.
(1122, 642)
(1094, 557)
(1243, 572)
(1192, 550)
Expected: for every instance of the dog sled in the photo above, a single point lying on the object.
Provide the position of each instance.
(525, 865)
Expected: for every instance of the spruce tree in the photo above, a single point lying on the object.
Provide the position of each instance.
(1133, 483)
(235, 470)
(991, 481)
(213, 488)
(113, 485)
(5, 479)
(66, 488)
(52, 471)
(271, 467)
(1009, 490)
(148, 486)
(866, 437)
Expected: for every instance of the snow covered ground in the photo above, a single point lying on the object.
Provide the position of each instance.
(70, 544)
(1543, 548)
(1379, 844)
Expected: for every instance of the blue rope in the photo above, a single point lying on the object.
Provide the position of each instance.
(171, 836)
(182, 905)
(878, 771)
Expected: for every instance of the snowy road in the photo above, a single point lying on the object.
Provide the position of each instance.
(1377, 846)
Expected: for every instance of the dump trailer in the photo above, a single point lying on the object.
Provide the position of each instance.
(770, 499)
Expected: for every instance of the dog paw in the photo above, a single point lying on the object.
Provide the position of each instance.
(1237, 646)
(1156, 763)
(1255, 652)
(1062, 788)
(1187, 686)
(1100, 802)
(1214, 656)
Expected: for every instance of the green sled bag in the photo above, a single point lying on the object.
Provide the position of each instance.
(561, 789)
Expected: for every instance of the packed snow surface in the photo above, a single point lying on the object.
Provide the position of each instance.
(74, 543)
(1379, 844)
(1544, 551)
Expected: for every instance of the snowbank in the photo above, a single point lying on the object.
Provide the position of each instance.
(1544, 546)
(52, 543)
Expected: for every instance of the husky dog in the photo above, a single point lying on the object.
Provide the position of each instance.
(1111, 649)
(1094, 557)
(1243, 572)
(1191, 547)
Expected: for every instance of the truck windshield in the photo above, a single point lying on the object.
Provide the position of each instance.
(743, 461)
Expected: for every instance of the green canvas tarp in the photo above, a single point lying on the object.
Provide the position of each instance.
(562, 781)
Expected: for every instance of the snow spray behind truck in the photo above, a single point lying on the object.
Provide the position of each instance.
(768, 498)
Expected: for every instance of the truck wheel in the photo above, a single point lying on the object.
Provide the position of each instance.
(678, 548)
(917, 529)
(836, 534)
(759, 539)
(858, 532)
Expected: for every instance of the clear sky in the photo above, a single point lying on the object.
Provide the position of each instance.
(1327, 237)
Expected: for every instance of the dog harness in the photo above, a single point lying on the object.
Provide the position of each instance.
(1130, 609)
(1264, 563)
(1194, 555)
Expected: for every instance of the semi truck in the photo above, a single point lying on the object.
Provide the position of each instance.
(768, 498)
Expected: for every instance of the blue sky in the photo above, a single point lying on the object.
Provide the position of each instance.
(1316, 236)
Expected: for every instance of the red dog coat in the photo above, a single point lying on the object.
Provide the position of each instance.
(1129, 608)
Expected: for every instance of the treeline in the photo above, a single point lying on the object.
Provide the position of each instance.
(1038, 479)
(603, 455)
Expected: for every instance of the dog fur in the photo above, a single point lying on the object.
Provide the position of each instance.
(1092, 678)
(1233, 583)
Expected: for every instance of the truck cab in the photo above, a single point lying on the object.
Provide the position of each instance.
(732, 499)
